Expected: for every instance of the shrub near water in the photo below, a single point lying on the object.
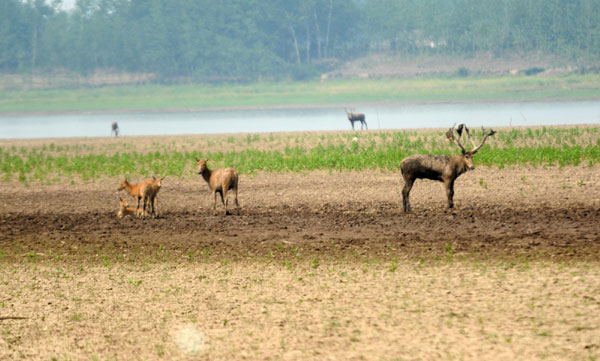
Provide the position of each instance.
(296, 153)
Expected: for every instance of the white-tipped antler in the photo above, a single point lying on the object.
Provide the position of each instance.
(460, 129)
(485, 137)
(450, 135)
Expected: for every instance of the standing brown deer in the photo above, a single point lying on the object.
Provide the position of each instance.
(220, 181)
(149, 194)
(441, 168)
(357, 117)
(134, 190)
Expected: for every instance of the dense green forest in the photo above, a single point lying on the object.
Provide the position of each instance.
(245, 40)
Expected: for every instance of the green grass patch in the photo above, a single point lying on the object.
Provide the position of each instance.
(279, 152)
(162, 97)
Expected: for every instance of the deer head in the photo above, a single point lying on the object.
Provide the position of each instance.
(201, 165)
(124, 184)
(158, 181)
(468, 154)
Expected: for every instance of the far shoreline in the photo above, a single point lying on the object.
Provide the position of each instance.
(290, 106)
(137, 138)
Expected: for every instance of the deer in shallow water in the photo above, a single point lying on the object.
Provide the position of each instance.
(356, 117)
(441, 168)
(115, 129)
(220, 181)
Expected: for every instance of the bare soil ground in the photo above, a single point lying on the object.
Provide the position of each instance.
(321, 265)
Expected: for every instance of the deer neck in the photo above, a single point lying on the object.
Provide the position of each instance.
(206, 173)
(461, 167)
(128, 187)
(457, 164)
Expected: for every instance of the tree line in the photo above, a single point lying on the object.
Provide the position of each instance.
(266, 39)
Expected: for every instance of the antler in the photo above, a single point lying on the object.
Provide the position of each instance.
(450, 135)
(485, 136)
(460, 129)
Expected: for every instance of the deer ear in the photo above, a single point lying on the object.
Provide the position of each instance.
(197, 160)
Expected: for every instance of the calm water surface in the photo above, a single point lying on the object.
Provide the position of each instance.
(311, 119)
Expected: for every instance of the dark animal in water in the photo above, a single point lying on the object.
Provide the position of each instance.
(115, 129)
(357, 117)
(441, 168)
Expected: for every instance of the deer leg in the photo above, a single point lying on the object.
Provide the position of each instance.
(351, 122)
(153, 214)
(366, 127)
(450, 192)
(224, 199)
(215, 203)
(137, 209)
(143, 213)
(147, 201)
(237, 204)
(155, 210)
(408, 184)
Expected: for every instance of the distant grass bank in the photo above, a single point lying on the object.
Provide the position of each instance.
(48, 163)
(340, 92)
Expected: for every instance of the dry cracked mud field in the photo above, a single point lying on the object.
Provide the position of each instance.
(322, 265)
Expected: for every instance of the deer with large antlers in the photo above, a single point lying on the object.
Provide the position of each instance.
(441, 168)
(356, 117)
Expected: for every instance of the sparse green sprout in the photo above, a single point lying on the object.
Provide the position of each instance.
(393, 266)
(483, 183)
(32, 257)
(135, 283)
(449, 252)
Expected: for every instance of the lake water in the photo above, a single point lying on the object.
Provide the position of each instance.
(301, 119)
